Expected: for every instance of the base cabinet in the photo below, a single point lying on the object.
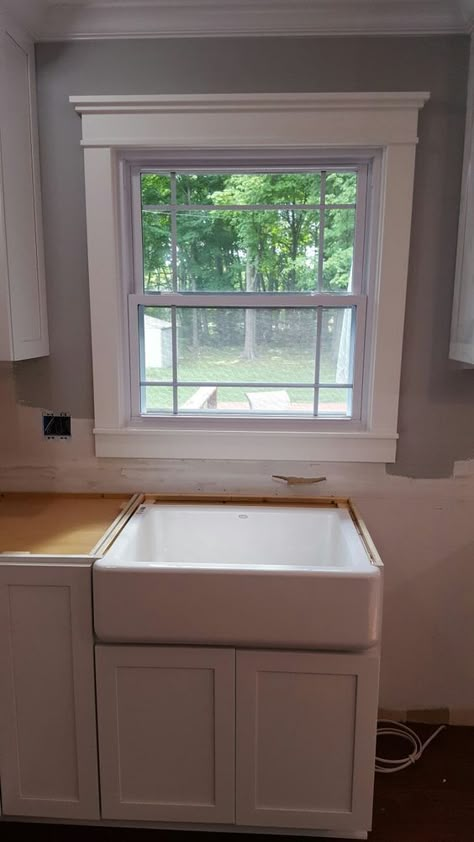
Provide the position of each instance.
(303, 725)
(48, 748)
(166, 721)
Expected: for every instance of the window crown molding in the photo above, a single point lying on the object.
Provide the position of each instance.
(243, 120)
(193, 103)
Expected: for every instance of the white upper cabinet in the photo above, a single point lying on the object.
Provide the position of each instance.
(23, 322)
(462, 327)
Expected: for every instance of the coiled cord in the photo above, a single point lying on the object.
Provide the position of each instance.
(388, 727)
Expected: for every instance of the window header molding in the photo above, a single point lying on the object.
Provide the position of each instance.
(115, 128)
(250, 120)
(247, 102)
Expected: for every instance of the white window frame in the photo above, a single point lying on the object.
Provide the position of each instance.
(115, 129)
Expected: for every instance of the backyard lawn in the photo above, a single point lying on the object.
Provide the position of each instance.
(221, 366)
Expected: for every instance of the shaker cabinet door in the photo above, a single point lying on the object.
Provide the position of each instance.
(166, 720)
(305, 739)
(48, 747)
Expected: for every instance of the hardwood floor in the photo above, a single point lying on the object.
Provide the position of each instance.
(432, 801)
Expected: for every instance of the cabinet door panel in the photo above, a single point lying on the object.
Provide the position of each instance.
(166, 733)
(305, 739)
(23, 321)
(48, 752)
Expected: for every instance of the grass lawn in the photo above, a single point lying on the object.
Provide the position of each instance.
(218, 366)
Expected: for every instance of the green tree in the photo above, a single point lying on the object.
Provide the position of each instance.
(274, 249)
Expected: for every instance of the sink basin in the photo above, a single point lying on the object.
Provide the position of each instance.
(285, 576)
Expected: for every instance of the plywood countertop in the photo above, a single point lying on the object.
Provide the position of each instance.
(56, 524)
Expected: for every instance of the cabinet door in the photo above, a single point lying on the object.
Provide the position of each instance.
(166, 720)
(48, 751)
(305, 739)
(23, 322)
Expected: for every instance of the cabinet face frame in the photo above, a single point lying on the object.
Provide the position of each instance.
(47, 690)
(364, 670)
(113, 701)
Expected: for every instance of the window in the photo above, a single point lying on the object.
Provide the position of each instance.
(248, 265)
(250, 292)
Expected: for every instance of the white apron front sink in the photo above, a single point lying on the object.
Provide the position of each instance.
(246, 575)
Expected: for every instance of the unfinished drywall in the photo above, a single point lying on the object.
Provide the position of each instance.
(437, 396)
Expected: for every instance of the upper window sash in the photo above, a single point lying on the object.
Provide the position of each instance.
(133, 173)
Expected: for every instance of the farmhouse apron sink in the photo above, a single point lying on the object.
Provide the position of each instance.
(283, 576)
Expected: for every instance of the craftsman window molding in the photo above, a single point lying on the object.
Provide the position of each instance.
(115, 127)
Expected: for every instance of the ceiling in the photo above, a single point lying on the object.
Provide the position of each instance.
(79, 19)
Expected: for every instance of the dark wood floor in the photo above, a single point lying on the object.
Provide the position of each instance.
(432, 801)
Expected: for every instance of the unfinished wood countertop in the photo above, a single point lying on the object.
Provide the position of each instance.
(56, 524)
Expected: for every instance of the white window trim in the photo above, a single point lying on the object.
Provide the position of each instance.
(114, 126)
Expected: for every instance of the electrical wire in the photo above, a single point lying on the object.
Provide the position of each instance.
(388, 727)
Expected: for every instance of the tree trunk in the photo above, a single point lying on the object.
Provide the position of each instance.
(250, 315)
(195, 340)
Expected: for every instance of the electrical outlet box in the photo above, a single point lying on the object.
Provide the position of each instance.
(56, 426)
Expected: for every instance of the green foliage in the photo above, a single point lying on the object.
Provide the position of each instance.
(236, 250)
(156, 233)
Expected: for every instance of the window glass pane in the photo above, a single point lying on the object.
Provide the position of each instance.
(157, 251)
(250, 233)
(252, 250)
(245, 400)
(339, 230)
(335, 402)
(247, 251)
(248, 189)
(336, 363)
(341, 188)
(156, 346)
(268, 345)
(157, 399)
(155, 189)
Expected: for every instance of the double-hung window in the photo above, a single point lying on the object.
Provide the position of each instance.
(250, 291)
(248, 259)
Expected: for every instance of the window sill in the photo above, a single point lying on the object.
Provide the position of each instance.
(133, 442)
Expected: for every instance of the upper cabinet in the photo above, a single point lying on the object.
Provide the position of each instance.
(462, 329)
(23, 321)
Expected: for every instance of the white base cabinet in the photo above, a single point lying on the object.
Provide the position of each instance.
(303, 725)
(184, 736)
(48, 749)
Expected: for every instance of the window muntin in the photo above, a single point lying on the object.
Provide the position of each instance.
(245, 307)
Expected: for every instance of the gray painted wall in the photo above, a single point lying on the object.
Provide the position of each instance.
(437, 397)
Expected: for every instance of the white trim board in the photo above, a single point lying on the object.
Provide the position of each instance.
(114, 127)
(83, 19)
(342, 120)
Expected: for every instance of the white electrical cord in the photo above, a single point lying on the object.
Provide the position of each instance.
(399, 729)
